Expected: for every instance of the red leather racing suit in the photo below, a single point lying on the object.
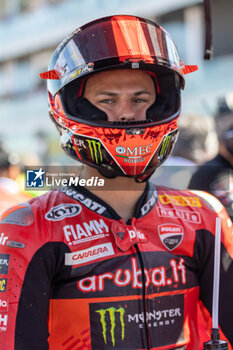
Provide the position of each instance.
(74, 275)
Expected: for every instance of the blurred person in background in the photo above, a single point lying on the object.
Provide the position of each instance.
(10, 191)
(196, 143)
(215, 176)
(122, 266)
(197, 140)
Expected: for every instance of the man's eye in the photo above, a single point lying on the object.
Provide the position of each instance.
(106, 101)
(140, 100)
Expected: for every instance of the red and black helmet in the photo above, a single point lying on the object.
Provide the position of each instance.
(125, 148)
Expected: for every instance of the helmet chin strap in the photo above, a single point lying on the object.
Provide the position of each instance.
(106, 173)
(144, 177)
(139, 178)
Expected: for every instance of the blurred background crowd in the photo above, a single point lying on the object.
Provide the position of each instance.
(30, 30)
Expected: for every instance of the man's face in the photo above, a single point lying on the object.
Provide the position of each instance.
(124, 94)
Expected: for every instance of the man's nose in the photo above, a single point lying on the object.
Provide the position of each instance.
(127, 112)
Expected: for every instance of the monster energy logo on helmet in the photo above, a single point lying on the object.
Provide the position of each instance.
(95, 149)
(112, 311)
(165, 146)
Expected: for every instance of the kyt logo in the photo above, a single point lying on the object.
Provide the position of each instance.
(35, 178)
(109, 323)
(63, 210)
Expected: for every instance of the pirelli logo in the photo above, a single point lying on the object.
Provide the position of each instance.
(183, 201)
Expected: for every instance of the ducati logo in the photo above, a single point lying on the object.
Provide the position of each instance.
(171, 235)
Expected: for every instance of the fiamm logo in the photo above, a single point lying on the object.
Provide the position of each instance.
(109, 323)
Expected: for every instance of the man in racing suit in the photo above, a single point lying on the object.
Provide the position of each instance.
(126, 267)
(216, 175)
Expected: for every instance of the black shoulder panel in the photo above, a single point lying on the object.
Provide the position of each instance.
(21, 214)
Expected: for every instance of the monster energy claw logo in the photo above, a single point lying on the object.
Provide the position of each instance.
(95, 149)
(165, 146)
(112, 316)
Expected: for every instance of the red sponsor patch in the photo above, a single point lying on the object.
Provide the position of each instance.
(126, 236)
(186, 215)
(52, 74)
(90, 254)
(4, 305)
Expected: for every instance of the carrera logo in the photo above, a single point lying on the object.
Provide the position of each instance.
(183, 201)
(171, 235)
(62, 211)
(90, 254)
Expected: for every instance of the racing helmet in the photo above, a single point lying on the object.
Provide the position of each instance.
(119, 148)
(224, 121)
